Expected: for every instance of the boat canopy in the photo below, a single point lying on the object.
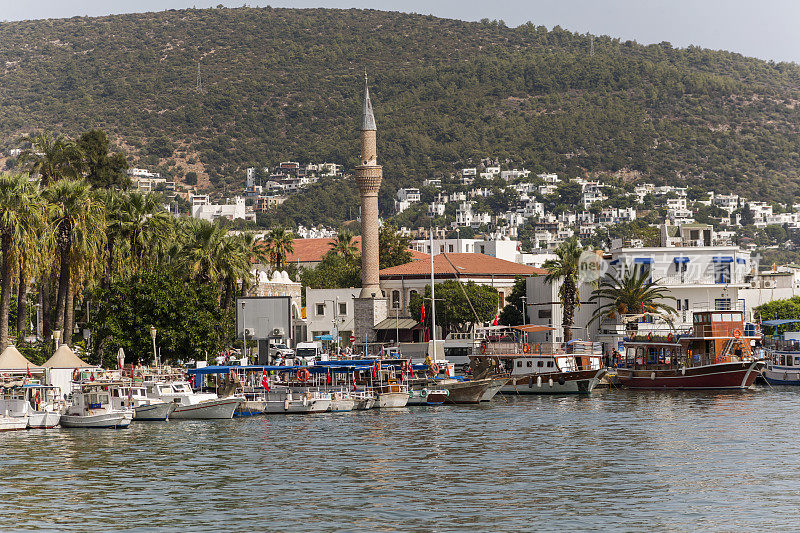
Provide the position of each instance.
(224, 369)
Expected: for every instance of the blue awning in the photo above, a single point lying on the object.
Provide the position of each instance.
(723, 259)
(741, 261)
(680, 259)
(614, 262)
(643, 260)
(780, 322)
(224, 369)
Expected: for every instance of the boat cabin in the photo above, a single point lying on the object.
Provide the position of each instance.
(90, 399)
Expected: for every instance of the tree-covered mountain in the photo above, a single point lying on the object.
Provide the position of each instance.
(287, 83)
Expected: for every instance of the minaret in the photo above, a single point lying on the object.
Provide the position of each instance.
(368, 177)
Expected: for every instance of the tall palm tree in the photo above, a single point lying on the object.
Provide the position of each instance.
(198, 249)
(147, 227)
(635, 293)
(78, 219)
(234, 265)
(344, 245)
(280, 243)
(21, 213)
(566, 269)
(51, 157)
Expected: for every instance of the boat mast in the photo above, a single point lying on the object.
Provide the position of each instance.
(433, 303)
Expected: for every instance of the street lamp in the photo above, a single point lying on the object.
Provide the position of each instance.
(244, 329)
(155, 354)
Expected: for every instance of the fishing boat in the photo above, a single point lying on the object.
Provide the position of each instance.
(525, 368)
(192, 405)
(341, 401)
(12, 422)
(712, 354)
(781, 359)
(364, 400)
(426, 396)
(91, 407)
(40, 403)
(287, 401)
(144, 408)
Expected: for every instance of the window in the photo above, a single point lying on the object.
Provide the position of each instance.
(545, 313)
(530, 364)
(678, 305)
(549, 364)
(450, 248)
(519, 364)
(502, 298)
(411, 294)
(540, 364)
(342, 308)
(321, 309)
(721, 304)
(686, 304)
(395, 299)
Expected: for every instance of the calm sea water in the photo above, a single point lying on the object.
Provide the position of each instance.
(616, 460)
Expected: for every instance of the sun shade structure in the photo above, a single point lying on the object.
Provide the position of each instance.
(65, 358)
(11, 359)
(533, 328)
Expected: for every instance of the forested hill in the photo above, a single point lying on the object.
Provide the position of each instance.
(281, 83)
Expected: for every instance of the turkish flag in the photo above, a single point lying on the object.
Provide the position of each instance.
(422, 314)
(265, 381)
(330, 378)
(495, 320)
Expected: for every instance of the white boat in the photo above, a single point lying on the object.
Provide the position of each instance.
(144, 408)
(364, 400)
(9, 422)
(287, 401)
(392, 399)
(92, 408)
(342, 401)
(192, 405)
(426, 396)
(40, 403)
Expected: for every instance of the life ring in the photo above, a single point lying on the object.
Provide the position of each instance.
(650, 336)
(434, 368)
(526, 348)
(670, 337)
(303, 374)
(38, 398)
(539, 349)
(737, 334)
(75, 375)
(483, 348)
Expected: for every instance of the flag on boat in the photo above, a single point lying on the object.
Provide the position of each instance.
(410, 368)
(121, 358)
(28, 372)
(91, 377)
(495, 320)
(330, 378)
(265, 380)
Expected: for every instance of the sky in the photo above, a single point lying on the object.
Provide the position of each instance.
(766, 29)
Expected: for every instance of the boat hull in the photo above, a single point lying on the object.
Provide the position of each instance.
(117, 420)
(208, 410)
(575, 382)
(775, 375)
(364, 404)
(296, 406)
(339, 405)
(495, 387)
(13, 423)
(154, 412)
(731, 376)
(43, 419)
(392, 399)
(460, 392)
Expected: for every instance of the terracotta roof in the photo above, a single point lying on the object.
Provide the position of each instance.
(312, 250)
(467, 265)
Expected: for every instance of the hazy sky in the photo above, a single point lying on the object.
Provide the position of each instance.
(762, 28)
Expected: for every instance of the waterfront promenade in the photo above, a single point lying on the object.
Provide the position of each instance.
(615, 460)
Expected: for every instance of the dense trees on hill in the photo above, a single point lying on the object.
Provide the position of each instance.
(280, 83)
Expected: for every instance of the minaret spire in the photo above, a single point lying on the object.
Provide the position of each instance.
(368, 122)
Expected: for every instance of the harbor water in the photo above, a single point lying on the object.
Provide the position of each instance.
(615, 460)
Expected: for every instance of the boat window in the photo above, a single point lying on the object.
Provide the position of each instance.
(549, 364)
(796, 361)
(530, 364)
(540, 364)
(519, 364)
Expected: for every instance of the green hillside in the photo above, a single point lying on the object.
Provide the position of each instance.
(281, 83)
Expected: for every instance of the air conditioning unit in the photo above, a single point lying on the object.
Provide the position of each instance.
(753, 284)
(769, 284)
(278, 332)
(249, 332)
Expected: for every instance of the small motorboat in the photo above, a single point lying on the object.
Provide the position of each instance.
(192, 405)
(364, 400)
(92, 408)
(341, 401)
(427, 396)
(287, 401)
(144, 408)
(40, 403)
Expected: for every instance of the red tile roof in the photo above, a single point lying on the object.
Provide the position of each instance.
(466, 265)
(312, 250)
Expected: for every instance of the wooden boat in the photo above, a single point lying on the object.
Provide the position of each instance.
(92, 408)
(714, 354)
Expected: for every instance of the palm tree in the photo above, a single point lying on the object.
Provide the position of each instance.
(634, 294)
(147, 227)
(51, 158)
(21, 213)
(198, 249)
(344, 245)
(79, 225)
(566, 269)
(280, 243)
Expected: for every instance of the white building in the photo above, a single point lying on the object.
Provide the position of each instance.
(330, 312)
(202, 209)
(405, 198)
